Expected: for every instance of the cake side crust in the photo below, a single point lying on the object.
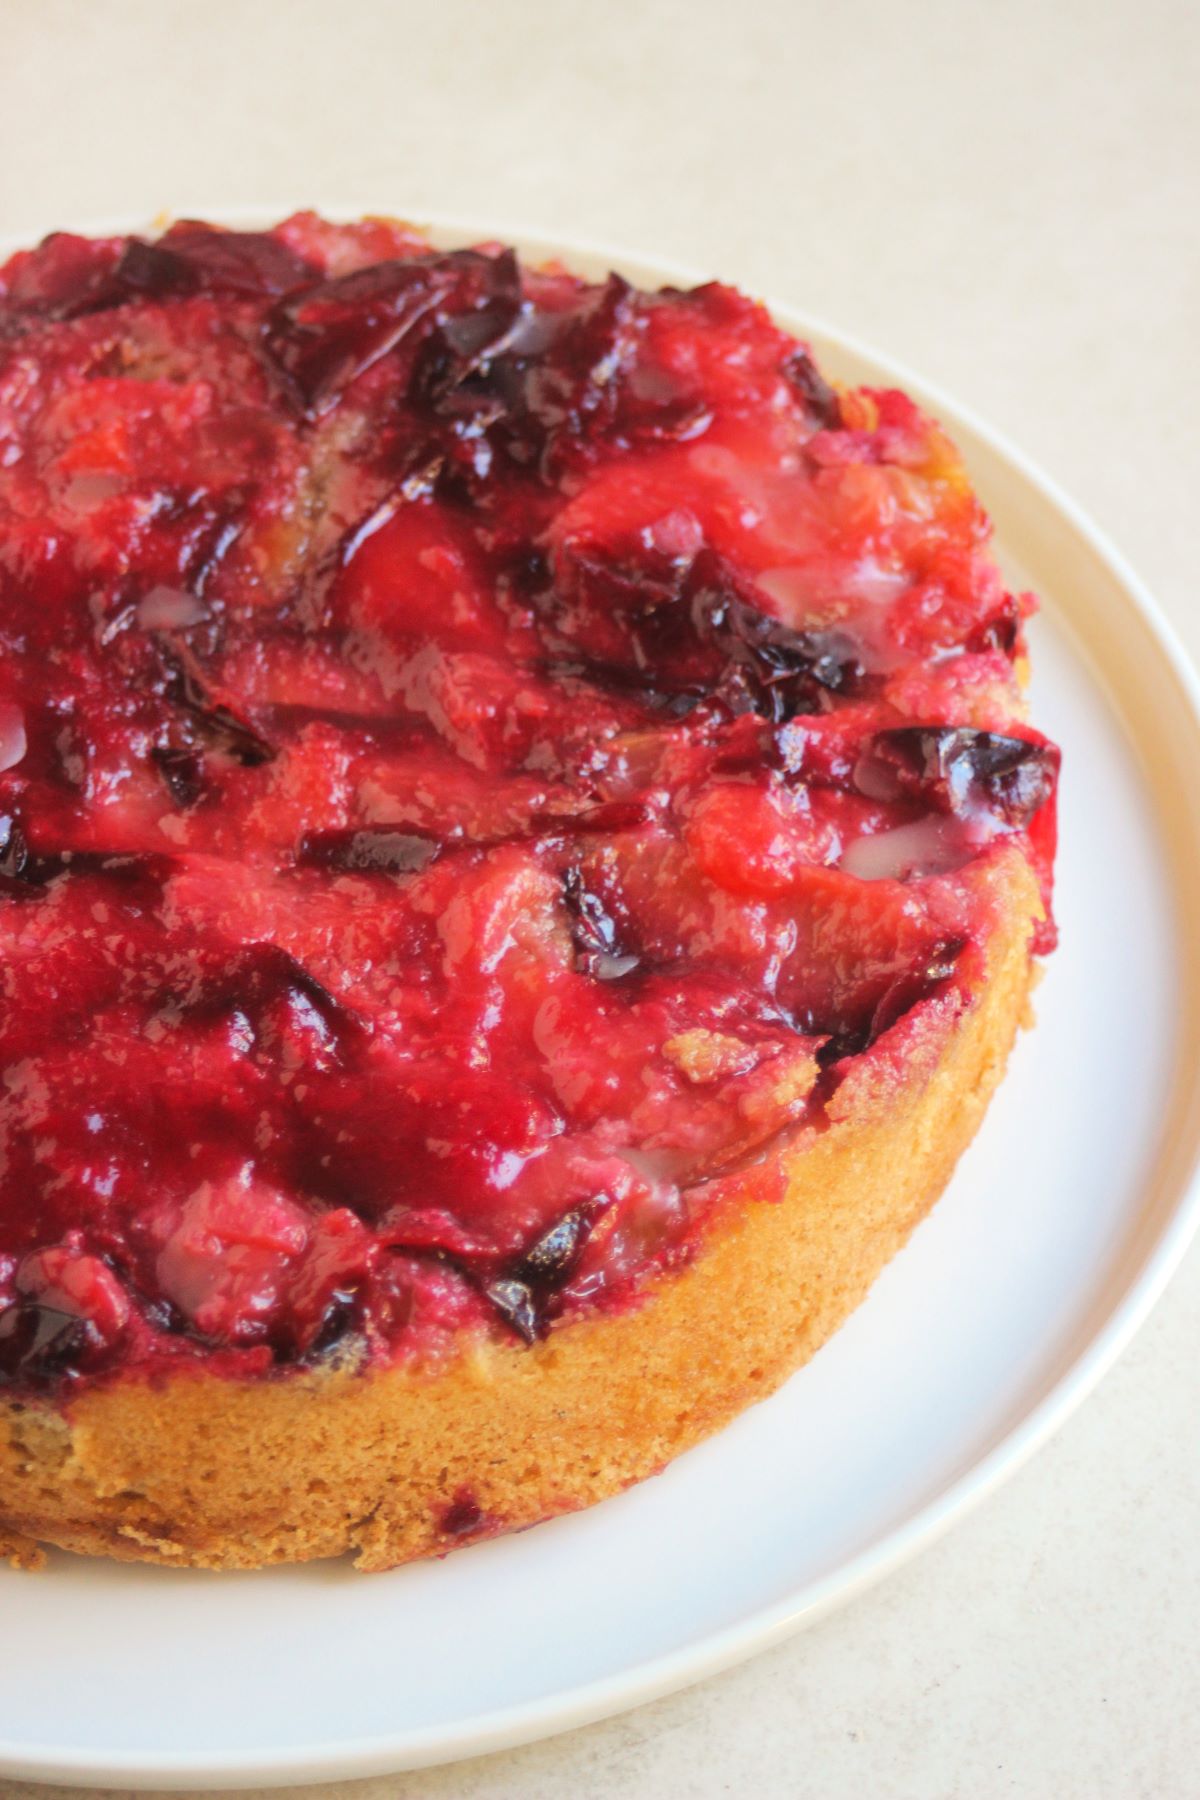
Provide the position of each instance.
(204, 1472)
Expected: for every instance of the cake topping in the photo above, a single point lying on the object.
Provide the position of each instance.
(480, 754)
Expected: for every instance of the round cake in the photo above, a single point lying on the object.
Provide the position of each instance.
(521, 863)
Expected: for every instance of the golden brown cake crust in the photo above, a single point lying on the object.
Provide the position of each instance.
(207, 1472)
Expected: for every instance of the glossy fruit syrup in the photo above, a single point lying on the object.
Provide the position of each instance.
(482, 754)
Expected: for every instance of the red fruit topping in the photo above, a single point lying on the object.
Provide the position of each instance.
(478, 753)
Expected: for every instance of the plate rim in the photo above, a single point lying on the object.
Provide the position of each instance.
(1106, 1340)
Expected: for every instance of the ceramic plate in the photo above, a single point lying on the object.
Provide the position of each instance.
(1059, 1231)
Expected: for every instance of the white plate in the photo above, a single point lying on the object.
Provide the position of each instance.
(1059, 1231)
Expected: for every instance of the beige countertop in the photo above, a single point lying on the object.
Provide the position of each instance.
(1007, 198)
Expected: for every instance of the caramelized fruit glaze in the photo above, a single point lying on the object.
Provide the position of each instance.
(482, 752)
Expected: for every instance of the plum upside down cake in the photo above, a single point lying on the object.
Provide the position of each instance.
(521, 859)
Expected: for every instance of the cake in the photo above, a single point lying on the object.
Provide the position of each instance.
(522, 859)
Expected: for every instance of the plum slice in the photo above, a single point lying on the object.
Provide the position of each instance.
(688, 631)
(523, 1296)
(961, 771)
(194, 258)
